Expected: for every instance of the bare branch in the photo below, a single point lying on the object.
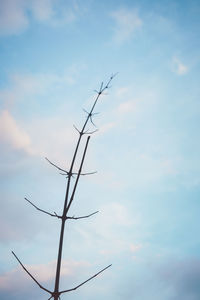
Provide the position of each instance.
(78, 176)
(90, 115)
(77, 129)
(85, 174)
(65, 291)
(68, 173)
(82, 174)
(77, 218)
(69, 199)
(101, 87)
(90, 132)
(86, 111)
(44, 211)
(86, 132)
(83, 129)
(55, 294)
(31, 275)
(60, 169)
(92, 122)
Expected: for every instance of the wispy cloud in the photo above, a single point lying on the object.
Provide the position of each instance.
(126, 23)
(107, 227)
(15, 15)
(179, 67)
(28, 131)
(135, 247)
(42, 9)
(126, 107)
(42, 137)
(12, 134)
(13, 18)
(122, 91)
(128, 101)
(27, 85)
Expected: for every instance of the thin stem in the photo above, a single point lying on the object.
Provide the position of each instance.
(78, 176)
(70, 174)
(57, 280)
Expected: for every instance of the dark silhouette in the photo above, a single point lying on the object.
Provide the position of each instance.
(69, 197)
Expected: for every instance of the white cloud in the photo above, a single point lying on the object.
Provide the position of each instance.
(15, 15)
(152, 168)
(105, 128)
(108, 229)
(135, 247)
(42, 136)
(129, 101)
(12, 134)
(122, 91)
(126, 23)
(42, 9)
(126, 107)
(45, 137)
(178, 67)
(26, 85)
(119, 212)
(13, 18)
(53, 137)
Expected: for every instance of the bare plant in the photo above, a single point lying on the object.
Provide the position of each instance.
(69, 198)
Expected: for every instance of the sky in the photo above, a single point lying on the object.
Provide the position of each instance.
(54, 55)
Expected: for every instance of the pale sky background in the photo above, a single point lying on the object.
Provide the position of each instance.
(54, 54)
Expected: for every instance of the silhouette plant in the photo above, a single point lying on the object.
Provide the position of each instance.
(69, 198)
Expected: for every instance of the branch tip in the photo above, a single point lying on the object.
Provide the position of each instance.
(83, 217)
(76, 287)
(43, 288)
(42, 210)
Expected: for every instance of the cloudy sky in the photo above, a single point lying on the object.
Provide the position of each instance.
(54, 54)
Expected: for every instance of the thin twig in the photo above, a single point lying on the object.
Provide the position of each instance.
(60, 169)
(91, 132)
(65, 291)
(82, 174)
(90, 115)
(77, 218)
(31, 274)
(77, 130)
(85, 132)
(44, 211)
(68, 173)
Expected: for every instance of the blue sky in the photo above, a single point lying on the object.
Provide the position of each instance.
(54, 54)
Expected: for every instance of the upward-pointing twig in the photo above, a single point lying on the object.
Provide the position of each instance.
(76, 287)
(83, 217)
